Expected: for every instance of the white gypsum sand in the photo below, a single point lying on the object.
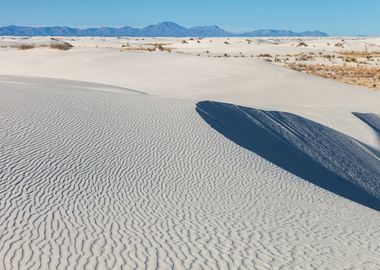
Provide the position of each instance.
(245, 80)
(93, 175)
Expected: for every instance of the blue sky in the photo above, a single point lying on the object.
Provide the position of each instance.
(336, 17)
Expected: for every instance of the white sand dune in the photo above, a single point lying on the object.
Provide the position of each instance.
(310, 150)
(116, 179)
(181, 74)
(169, 175)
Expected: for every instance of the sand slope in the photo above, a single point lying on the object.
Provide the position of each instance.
(308, 149)
(117, 179)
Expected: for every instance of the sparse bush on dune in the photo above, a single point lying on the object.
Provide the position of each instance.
(54, 44)
(25, 47)
(264, 55)
(361, 54)
(302, 44)
(150, 47)
(304, 57)
(350, 59)
(64, 46)
(160, 47)
(358, 75)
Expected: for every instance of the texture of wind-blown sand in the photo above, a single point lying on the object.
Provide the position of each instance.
(115, 179)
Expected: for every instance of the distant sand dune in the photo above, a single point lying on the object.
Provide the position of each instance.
(117, 179)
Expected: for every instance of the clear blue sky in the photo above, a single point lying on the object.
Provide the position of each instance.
(336, 17)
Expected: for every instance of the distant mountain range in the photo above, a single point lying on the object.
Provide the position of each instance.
(163, 29)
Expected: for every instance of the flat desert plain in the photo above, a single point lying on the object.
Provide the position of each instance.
(186, 153)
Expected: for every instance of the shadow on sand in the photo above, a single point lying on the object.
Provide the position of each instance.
(316, 153)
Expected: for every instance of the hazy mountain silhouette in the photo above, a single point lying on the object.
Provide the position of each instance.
(163, 29)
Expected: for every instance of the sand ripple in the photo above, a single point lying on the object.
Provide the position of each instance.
(96, 180)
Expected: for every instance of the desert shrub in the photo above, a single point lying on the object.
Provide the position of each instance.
(25, 47)
(350, 59)
(304, 57)
(358, 75)
(64, 46)
(265, 55)
(302, 44)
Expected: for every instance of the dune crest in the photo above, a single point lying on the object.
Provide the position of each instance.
(316, 153)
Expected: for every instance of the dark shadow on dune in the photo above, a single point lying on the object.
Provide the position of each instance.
(371, 119)
(318, 154)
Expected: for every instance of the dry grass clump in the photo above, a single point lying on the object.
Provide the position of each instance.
(357, 75)
(59, 45)
(128, 48)
(304, 57)
(350, 59)
(157, 44)
(339, 45)
(264, 55)
(161, 48)
(328, 56)
(25, 47)
(153, 47)
(361, 54)
(64, 46)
